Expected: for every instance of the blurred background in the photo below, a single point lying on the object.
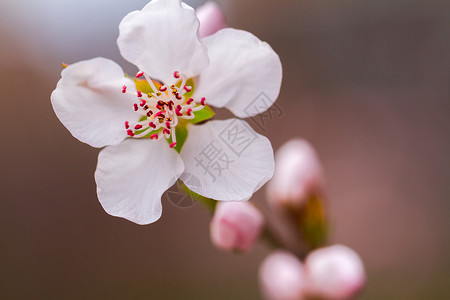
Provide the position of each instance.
(366, 82)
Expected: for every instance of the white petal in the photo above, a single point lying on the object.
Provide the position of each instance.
(132, 176)
(226, 160)
(89, 101)
(244, 74)
(162, 38)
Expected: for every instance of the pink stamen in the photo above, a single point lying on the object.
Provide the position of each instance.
(158, 114)
(164, 112)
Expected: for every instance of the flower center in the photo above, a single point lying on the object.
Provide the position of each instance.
(162, 108)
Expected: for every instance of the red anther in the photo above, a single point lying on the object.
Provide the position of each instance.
(176, 74)
(135, 107)
(139, 94)
(170, 104)
(166, 131)
(189, 111)
(124, 89)
(178, 96)
(154, 136)
(178, 107)
(146, 107)
(152, 125)
(138, 126)
(203, 101)
(139, 74)
(163, 88)
(177, 111)
(173, 145)
(187, 88)
(159, 107)
(168, 125)
(161, 103)
(143, 102)
(189, 101)
(127, 125)
(158, 114)
(149, 114)
(130, 132)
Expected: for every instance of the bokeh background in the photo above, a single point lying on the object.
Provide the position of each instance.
(366, 82)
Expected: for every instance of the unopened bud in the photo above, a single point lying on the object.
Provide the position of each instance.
(211, 19)
(335, 272)
(281, 277)
(236, 225)
(298, 175)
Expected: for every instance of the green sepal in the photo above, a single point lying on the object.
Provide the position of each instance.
(209, 203)
(203, 114)
(313, 223)
(143, 86)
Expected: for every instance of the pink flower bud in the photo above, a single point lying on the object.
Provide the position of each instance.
(281, 277)
(298, 174)
(236, 225)
(211, 19)
(334, 272)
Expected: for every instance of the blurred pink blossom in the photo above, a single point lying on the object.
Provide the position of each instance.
(211, 19)
(282, 277)
(236, 225)
(298, 175)
(334, 272)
